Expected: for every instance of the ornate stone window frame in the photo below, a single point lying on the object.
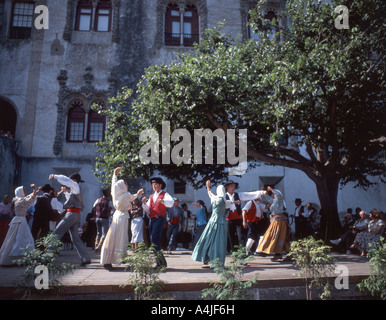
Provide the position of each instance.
(87, 94)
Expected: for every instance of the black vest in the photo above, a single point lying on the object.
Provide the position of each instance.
(43, 207)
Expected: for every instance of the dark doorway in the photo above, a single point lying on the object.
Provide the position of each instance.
(8, 117)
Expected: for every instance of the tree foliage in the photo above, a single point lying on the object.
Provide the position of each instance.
(319, 86)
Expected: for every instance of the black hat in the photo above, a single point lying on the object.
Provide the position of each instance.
(158, 180)
(298, 200)
(76, 177)
(46, 188)
(231, 182)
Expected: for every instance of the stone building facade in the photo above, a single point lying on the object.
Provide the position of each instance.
(91, 49)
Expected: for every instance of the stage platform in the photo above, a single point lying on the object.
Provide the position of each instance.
(184, 279)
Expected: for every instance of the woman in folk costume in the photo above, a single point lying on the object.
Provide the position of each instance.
(213, 241)
(276, 238)
(19, 236)
(117, 238)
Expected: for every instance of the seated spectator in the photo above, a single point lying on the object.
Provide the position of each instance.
(369, 240)
(348, 237)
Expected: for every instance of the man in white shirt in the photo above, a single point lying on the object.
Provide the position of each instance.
(71, 221)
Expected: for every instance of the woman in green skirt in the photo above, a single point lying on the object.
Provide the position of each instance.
(211, 246)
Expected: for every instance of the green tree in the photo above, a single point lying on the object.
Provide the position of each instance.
(315, 263)
(320, 86)
(144, 277)
(232, 285)
(376, 282)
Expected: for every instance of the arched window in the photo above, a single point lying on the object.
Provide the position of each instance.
(181, 27)
(75, 122)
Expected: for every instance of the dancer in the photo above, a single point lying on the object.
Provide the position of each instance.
(19, 236)
(156, 206)
(276, 238)
(115, 245)
(71, 221)
(212, 244)
(252, 214)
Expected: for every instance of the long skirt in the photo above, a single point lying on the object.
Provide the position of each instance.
(18, 239)
(212, 243)
(117, 239)
(275, 239)
(137, 230)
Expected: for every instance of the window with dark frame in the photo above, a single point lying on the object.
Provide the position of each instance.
(181, 28)
(21, 21)
(84, 15)
(75, 122)
(87, 19)
(96, 126)
(103, 16)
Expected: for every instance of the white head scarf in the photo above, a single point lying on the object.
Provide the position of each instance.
(118, 191)
(19, 192)
(220, 193)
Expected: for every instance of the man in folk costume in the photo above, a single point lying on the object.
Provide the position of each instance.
(300, 220)
(71, 221)
(252, 214)
(156, 206)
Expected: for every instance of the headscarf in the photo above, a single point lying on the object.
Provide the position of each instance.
(19, 192)
(118, 191)
(220, 193)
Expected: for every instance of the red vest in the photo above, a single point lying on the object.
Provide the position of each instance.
(157, 209)
(251, 214)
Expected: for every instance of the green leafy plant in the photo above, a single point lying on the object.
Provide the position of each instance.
(315, 263)
(231, 285)
(376, 282)
(145, 276)
(45, 254)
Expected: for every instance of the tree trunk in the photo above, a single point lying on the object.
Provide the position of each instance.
(327, 188)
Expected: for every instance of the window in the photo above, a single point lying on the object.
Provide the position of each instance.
(181, 28)
(21, 22)
(83, 15)
(179, 187)
(75, 122)
(96, 126)
(103, 16)
(85, 20)
(273, 34)
(78, 120)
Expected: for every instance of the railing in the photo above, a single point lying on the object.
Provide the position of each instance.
(174, 39)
